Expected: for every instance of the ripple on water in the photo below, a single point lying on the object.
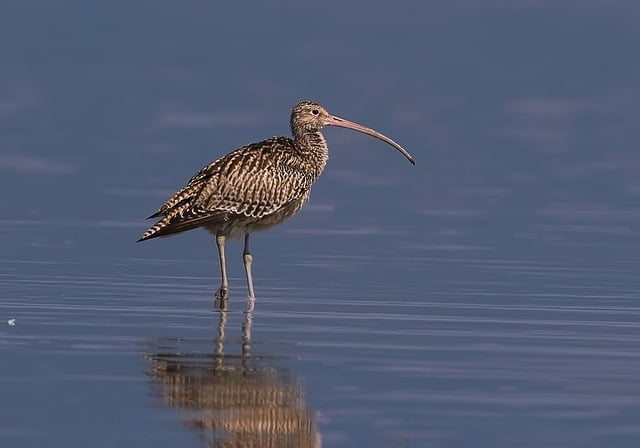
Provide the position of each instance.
(548, 348)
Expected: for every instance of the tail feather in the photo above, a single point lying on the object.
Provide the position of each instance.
(176, 223)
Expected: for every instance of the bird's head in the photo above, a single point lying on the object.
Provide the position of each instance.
(309, 116)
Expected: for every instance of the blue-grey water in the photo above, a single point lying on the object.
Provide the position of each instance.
(487, 296)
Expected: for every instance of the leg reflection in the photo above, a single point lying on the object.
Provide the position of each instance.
(233, 399)
(246, 332)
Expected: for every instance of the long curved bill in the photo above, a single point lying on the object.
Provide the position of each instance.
(341, 122)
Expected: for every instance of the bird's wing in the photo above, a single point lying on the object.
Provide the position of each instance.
(253, 181)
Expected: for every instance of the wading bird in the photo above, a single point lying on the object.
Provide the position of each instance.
(255, 187)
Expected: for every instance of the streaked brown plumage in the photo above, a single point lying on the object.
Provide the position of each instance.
(255, 187)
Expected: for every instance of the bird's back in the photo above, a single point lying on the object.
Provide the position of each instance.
(251, 188)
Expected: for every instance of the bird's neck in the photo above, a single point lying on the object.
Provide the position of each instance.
(313, 148)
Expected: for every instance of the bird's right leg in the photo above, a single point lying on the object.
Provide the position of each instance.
(248, 260)
(222, 295)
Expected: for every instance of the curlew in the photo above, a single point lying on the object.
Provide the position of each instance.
(255, 187)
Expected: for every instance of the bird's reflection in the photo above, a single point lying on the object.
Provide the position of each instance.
(233, 400)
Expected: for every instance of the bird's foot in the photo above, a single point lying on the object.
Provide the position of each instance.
(221, 301)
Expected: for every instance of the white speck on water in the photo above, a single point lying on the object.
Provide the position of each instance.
(12, 322)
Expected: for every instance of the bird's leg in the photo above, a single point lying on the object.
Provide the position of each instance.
(248, 259)
(223, 293)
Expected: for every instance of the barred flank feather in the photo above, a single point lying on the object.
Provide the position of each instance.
(252, 188)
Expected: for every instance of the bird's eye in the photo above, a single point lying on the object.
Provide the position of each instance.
(315, 111)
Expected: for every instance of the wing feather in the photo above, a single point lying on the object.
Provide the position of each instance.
(253, 182)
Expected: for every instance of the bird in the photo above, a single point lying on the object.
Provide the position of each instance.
(255, 187)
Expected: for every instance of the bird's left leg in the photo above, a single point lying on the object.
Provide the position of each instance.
(222, 295)
(248, 259)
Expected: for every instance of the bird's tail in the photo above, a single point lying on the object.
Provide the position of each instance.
(179, 221)
(154, 231)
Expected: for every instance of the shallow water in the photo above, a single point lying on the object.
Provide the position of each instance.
(486, 297)
(500, 357)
